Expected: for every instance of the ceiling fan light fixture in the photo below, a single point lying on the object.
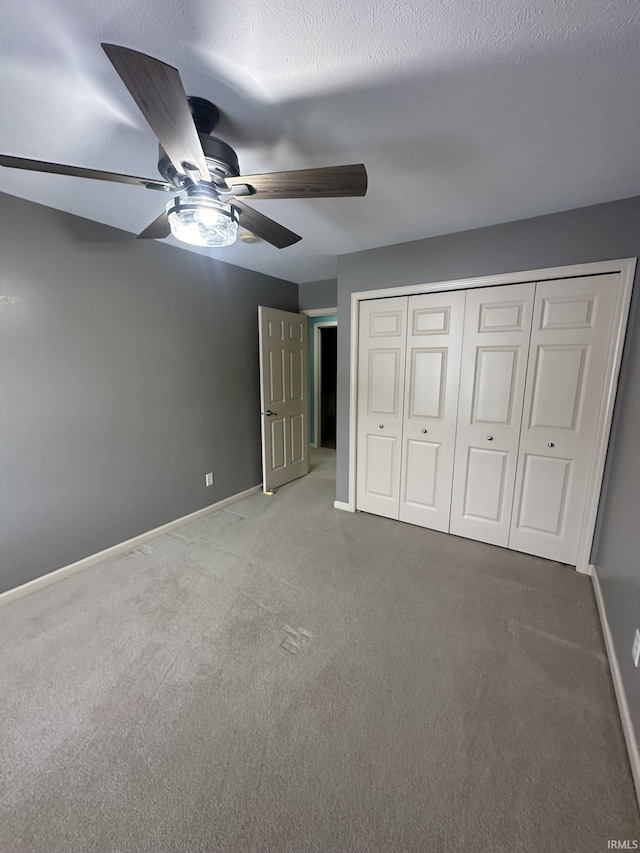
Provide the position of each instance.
(202, 220)
(201, 167)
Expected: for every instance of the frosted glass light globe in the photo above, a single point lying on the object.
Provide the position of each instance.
(202, 221)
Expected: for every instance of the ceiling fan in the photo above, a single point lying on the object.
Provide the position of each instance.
(202, 171)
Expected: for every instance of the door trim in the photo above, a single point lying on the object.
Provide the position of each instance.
(625, 267)
(319, 312)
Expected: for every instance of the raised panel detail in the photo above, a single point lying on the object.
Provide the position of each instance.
(431, 321)
(296, 361)
(568, 312)
(500, 317)
(494, 384)
(422, 474)
(484, 487)
(384, 375)
(427, 383)
(385, 324)
(544, 491)
(278, 455)
(276, 376)
(275, 330)
(297, 438)
(295, 332)
(557, 388)
(379, 467)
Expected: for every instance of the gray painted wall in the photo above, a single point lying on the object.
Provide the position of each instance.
(617, 547)
(598, 233)
(318, 294)
(128, 370)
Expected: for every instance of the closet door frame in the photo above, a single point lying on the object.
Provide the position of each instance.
(625, 267)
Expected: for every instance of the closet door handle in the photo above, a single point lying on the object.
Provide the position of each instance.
(424, 431)
(489, 438)
(380, 426)
(550, 444)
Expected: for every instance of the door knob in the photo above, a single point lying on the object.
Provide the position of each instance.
(550, 444)
(269, 413)
(489, 438)
(424, 430)
(380, 426)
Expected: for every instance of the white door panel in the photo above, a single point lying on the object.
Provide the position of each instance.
(570, 339)
(381, 359)
(493, 393)
(558, 374)
(434, 344)
(483, 499)
(385, 385)
(543, 475)
(283, 396)
(382, 452)
(427, 382)
(495, 347)
(421, 473)
(278, 457)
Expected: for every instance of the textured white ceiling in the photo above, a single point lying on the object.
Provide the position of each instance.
(465, 113)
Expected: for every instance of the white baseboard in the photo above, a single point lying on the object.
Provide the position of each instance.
(114, 550)
(343, 506)
(621, 696)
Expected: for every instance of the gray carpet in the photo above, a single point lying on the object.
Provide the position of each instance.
(279, 676)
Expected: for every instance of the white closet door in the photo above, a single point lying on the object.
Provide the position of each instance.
(492, 380)
(434, 344)
(381, 357)
(570, 342)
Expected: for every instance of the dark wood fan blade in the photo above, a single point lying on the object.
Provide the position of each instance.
(328, 182)
(158, 91)
(76, 172)
(262, 226)
(158, 229)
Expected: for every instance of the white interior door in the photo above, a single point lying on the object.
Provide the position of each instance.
(381, 358)
(492, 380)
(434, 345)
(570, 342)
(284, 396)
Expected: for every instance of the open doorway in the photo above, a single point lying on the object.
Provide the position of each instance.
(322, 375)
(327, 386)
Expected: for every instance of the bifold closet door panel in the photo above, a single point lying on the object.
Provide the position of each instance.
(570, 345)
(495, 347)
(381, 359)
(434, 345)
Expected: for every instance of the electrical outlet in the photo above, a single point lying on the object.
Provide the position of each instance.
(635, 651)
(209, 480)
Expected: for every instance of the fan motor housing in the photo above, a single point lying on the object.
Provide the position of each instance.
(221, 158)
